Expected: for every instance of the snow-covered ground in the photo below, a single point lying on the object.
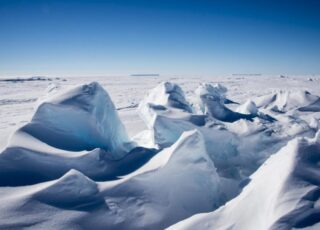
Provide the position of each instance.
(229, 152)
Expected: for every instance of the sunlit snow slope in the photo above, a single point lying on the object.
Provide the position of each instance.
(156, 153)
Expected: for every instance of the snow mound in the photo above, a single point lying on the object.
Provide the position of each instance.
(73, 190)
(249, 107)
(286, 100)
(170, 94)
(166, 130)
(82, 118)
(181, 181)
(212, 103)
(282, 194)
(163, 97)
(34, 161)
(76, 129)
(216, 90)
(167, 114)
(190, 144)
(314, 123)
(245, 127)
(313, 107)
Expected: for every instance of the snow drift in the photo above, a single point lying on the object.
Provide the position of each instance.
(82, 118)
(181, 181)
(282, 194)
(249, 107)
(286, 100)
(25, 166)
(73, 165)
(212, 103)
(167, 114)
(72, 191)
(162, 98)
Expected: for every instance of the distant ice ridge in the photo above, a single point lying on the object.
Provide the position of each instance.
(286, 100)
(241, 140)
(167, 113)
(282, 194)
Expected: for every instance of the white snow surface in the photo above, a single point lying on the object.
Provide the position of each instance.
(283, 194)
(224, 152)
(82, 118)
(249, 107)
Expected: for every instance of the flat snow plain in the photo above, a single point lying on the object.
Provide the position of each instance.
(231, 152)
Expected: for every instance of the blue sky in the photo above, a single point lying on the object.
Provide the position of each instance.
(193, 37)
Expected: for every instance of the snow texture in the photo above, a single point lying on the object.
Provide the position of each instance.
(224, 154)
(282, 194)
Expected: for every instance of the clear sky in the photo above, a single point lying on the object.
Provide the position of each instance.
(194, 37)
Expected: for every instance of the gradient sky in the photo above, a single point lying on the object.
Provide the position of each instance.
(194, 37)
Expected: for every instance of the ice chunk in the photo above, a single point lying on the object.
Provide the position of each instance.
(163, 97)
(167, 114)
(249, 107)
(82, 118)
(212, 103)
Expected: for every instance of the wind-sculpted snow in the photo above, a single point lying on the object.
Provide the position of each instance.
(163, 97)
(23, 166)
(211, 102)
(282, 194)
(72, 191)
(82, 118)
(182, 181)
(167, 114)
(249, 107)
(134, 202)
(167, 123)
(247, 165)
(313, 107)
(283, 101)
